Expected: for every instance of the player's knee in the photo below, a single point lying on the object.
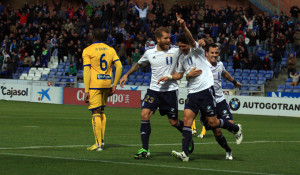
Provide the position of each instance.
(173, 122)
(213, 123)
(145, 115)
(217, 132)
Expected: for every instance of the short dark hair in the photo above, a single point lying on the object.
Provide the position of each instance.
(158, 31)
(213, 45)
(182, 38)
(98, 35)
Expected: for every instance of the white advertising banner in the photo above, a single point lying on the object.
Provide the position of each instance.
(264, 106)
(15, 92)
(46, 94)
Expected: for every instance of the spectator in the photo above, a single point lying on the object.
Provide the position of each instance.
(143, 15)
(266, 63)
(136, 56)
(276, 55)
(72, 70)
(291, 62)
(236, 60)
(122, 53)
(45, 57)
(23, 18)
(27, 61)
(297, 42)
(294, 13)
(295, 77)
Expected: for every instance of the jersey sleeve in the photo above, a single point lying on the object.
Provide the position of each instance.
(223, 68)
(115, 56)
(86, 58)
(144, 60)
(199, 50)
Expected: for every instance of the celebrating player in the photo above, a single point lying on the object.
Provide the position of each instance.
(163, 60)
(98, 60)
(201, 92)
(223, 111)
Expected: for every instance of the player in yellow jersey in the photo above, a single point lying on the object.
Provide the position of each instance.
(98, 60)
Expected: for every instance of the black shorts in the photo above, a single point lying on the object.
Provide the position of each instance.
(166, 102)
(203, 101)
(223, 110)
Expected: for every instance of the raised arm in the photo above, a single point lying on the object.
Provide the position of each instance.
(186, 31)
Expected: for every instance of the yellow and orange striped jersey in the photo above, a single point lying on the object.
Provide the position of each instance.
(100, 57)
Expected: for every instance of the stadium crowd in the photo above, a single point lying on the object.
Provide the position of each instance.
(31, 35)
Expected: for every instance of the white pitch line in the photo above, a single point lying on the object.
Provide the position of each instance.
(65, 118)
(139, 164)
(31, 126)
(133, 145)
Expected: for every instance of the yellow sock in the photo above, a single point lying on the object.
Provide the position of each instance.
(97, 128)
(203, 132)
(193, 125)
(103, 121)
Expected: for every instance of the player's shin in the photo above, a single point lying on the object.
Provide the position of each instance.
(186, 139)
(103, 122)
(229, 126)
(222, 142)
(179, 125)
(145, 133)
(97, 128)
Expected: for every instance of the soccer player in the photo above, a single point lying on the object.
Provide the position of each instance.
(98, 60)
(163, 61)
(201, 92)
(223, 111)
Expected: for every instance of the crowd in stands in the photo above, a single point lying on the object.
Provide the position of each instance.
(30, 36)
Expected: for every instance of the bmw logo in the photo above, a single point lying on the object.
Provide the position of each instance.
(234, 104)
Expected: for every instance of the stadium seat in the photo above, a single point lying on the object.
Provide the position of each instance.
(269, 76)
(224, 85)
(244, 94)
(145, 84)
(148, 74)
(139, 80)
(131, 83)
(131, 77)
(138, 83)
(246, 71)
(296, 90)
(229, 86)
(244, 74)
(287, 83)
(244, 82)
(297, 87)
(36, 78)
(261, 82)
(252, 82)
(51, 76)
(225, 64)
(64, 80)
(57, 80)
(289, 80)
(140, 77)
(58, 73)
(147, 80)
(245, 88)
(43, 79)
(246, 78)
(132, 80)
(141, 73)
(147, 77)
(253, 88)
(254, 78)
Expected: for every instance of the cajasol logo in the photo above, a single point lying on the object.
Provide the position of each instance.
(13, 92)
(44, 93)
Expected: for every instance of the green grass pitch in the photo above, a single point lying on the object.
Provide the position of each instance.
(52, 139)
